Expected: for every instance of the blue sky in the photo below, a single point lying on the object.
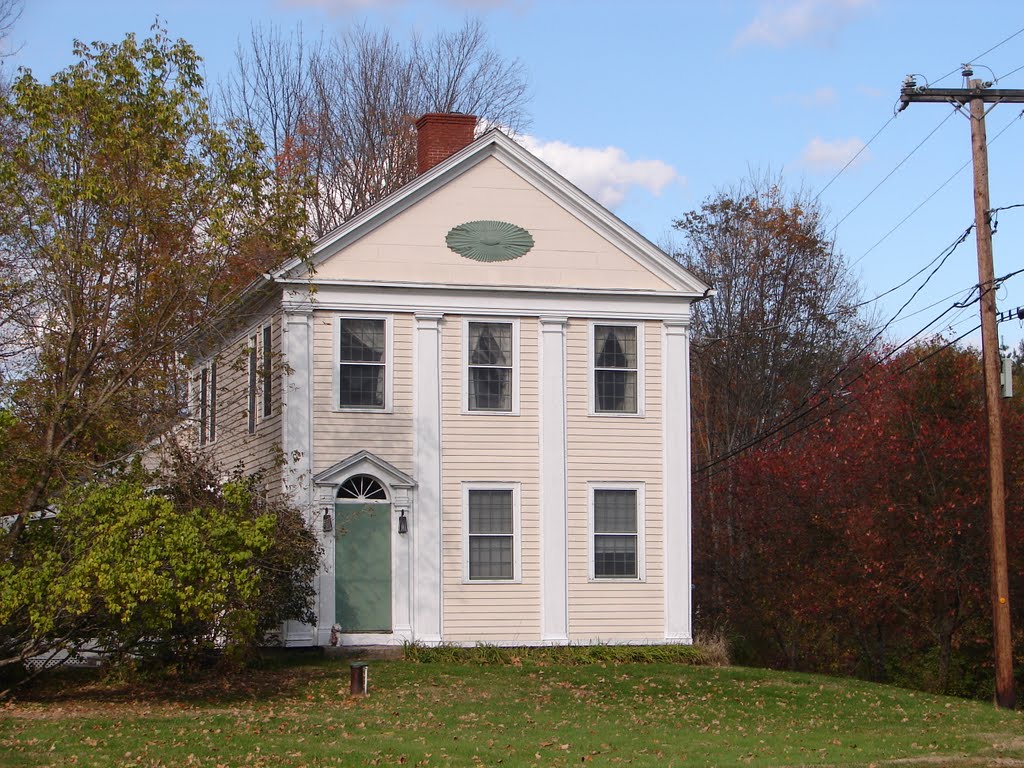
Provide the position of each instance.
(652, 105)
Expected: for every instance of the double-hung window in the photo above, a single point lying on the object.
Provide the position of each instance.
(207, 395)
(211, 423)
(616, 368)
(253, 378)
(267, 373)
(617, 549)
(362, 363)
(491, 366)
(491, 523)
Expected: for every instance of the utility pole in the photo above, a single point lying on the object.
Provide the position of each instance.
(976, 95)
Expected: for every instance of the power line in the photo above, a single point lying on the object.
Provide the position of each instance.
(917, 312)
(845, 403)
(984, 53)
(905, 218)
(922, 269)
(943, 255)
(847, 309)
(933, 194)
(797, 414)
(890, 173)
(800, 411)
(851, 160)
(994, 219)
(1012, 72)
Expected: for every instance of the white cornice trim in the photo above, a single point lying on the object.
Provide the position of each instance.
(393, 284)
(440, 300)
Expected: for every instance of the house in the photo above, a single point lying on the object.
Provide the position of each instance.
(482, 391)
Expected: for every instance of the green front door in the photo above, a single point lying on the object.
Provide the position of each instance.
(362, 566)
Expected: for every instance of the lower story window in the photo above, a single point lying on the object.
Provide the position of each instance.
(616, 533)
(491, 533)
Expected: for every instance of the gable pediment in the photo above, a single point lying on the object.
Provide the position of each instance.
(577, 244)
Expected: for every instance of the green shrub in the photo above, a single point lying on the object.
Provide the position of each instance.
(173, 578)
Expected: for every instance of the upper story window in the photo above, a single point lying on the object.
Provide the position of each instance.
(491, 366)
(616, 368)
(362, 363)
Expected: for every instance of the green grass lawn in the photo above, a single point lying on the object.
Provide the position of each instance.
(529, 713)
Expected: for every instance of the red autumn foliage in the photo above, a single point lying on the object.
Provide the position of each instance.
(861, 540)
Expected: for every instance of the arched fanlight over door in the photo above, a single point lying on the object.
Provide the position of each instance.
(362, 488)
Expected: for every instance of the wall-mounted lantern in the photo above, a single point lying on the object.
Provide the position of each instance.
(403, 523)
(328, 524)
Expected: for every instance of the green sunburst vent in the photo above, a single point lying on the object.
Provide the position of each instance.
(489, 240)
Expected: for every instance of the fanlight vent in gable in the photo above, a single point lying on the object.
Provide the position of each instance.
(362, 488)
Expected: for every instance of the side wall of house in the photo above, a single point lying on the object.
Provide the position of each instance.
(233, 446)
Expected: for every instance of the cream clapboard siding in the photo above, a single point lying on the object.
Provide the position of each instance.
(613, 449)
(566, 253)
(233, 446)
(340, 434)
(489, 448)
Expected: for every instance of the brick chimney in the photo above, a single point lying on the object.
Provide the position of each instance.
(439, 135)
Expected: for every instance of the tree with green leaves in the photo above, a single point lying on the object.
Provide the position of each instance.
(161, 571)
(127, 216)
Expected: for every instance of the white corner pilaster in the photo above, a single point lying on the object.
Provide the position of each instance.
(296, 357)
(401, 583)
(297, 401)
(553, 514)
(425, 523)
(676, 428)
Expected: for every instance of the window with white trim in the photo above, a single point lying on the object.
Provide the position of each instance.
(491, 366)
(206, 383)
(616, 525)
(267, 373)
(211, 421)
(616, 367)
(362, 363)
(491, 524)
(206, 396)
(253, 378)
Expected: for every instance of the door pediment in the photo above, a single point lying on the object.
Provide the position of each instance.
(398, 482)
(364, 463)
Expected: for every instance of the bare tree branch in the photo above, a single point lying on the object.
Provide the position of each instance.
(340, 115)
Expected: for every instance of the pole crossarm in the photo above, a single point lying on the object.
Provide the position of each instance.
(921, 94)
(1010, 314)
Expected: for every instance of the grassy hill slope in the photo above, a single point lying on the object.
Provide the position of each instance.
(530, 711)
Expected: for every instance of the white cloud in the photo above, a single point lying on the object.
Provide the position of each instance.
(605, 174)
(821, 155)
(349, 6)
(819, 97)
(780, 23)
